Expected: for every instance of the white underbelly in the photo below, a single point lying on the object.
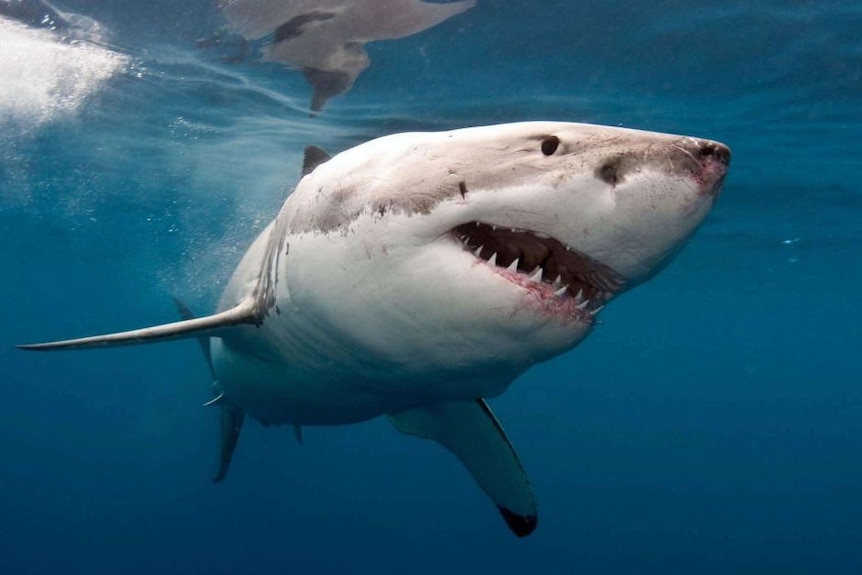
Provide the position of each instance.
(275, 390)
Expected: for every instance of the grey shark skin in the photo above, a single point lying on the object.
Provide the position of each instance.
(418, 274)
(325, 38)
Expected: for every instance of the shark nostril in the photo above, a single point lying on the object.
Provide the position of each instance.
(719, 152)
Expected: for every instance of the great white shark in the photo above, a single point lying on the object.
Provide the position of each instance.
(418, 274)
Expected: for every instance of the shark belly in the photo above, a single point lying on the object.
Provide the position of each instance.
(302, 387)
(275, 393)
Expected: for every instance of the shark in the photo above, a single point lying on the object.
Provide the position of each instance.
(326, 38)
(417, 275)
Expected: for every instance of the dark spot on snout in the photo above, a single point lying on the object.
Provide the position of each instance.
(462, 186)
(550, 145)
(609, 171)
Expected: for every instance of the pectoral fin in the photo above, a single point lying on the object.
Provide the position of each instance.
(212, 325)
(470, 431)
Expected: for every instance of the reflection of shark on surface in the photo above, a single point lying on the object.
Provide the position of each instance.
(326, 38)
(42, 14)
(418, 274)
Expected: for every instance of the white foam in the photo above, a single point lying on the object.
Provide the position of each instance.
(43, 77)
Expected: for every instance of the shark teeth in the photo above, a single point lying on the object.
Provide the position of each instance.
(565, 276)
(536, 276)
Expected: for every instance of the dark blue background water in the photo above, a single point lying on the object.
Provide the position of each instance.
(712, 424)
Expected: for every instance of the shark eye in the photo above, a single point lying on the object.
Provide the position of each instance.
(550, 145)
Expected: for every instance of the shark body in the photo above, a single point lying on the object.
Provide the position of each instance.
(418, 274)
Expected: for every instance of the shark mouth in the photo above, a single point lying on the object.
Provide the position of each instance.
(566, 280)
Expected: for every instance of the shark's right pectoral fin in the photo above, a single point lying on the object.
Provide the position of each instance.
(232, 418)
(470, 430)
(246, 312)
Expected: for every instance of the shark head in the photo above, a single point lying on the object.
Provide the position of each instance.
(489, 248)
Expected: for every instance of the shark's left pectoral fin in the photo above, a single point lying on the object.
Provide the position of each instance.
(470, 430)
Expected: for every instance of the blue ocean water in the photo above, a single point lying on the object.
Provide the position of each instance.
(711, 424)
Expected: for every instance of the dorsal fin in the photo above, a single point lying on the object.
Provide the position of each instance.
(211, 325)
(314, 156)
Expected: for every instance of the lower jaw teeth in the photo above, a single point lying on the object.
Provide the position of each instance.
(560, 289)
(536, 276)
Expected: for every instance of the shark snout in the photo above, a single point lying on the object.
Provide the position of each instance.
(713, 159)
(711, 151)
